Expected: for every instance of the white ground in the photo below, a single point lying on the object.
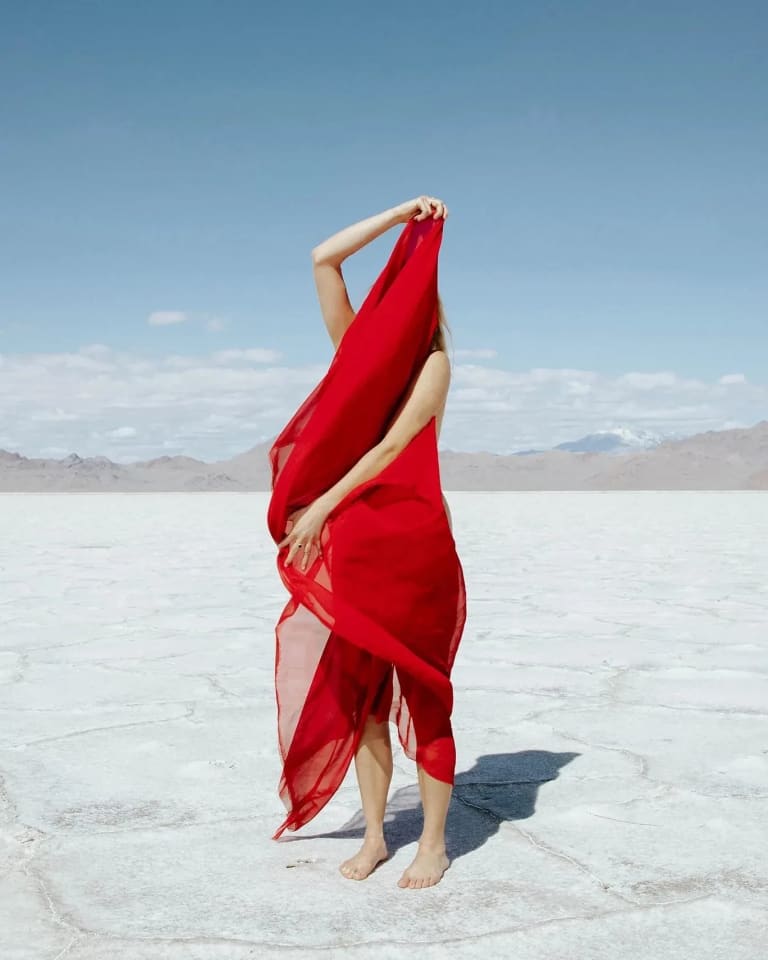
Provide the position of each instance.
(611, 722)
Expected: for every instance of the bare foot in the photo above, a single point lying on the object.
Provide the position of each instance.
(427, 869)
(372, 852)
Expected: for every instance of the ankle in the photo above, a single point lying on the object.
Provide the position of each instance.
(432, 844)
(374, 834)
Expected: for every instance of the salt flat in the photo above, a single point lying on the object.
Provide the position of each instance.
(611, 722)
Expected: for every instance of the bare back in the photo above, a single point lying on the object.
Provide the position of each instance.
(440, 410)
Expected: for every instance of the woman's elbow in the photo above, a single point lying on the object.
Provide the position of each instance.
(390, 447)
(323, 256)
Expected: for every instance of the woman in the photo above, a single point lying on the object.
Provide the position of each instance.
(377, 589)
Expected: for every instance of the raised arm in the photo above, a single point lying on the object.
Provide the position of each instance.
(328, 256)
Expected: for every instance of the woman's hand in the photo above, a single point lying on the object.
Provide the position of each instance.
(422, 207)
(306, 526)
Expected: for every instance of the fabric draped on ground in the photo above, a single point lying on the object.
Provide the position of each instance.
(373, 624)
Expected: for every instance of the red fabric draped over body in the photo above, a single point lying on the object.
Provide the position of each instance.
(372, 625)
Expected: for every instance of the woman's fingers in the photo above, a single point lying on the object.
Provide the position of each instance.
(306, 550)
(305, 546)
(301, 541)
(431, 207)
(289, 555)
(441, 209)
(288, 530)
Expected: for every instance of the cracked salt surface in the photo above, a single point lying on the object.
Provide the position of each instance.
(611, 721)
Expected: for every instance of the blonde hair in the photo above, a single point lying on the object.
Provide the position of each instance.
(439, 341)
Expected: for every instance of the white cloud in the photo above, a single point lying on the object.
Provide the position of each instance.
(253, 355)
(490, 408)
(130, 406)
(480, 353)
(165, 318)
(662, 380)
(209, 406)
(52, 416)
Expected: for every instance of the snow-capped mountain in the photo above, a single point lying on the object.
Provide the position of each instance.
(617, 440)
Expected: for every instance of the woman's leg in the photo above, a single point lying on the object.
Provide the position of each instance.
(373, 765)
(431, 860)
(436, 747)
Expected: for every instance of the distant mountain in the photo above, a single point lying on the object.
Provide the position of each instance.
(618, 440)
(99, 474)
(715, 460)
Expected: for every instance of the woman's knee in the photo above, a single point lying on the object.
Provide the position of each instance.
(438, 758)
(375, 729)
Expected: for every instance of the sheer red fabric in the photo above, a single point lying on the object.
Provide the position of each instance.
(372, 625)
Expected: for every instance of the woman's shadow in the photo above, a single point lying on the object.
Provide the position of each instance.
(499, 787)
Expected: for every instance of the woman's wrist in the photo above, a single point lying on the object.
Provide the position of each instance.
(401, 212)
(388, 218)
(326, 501)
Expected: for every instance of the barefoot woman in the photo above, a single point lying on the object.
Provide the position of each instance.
(393, 665)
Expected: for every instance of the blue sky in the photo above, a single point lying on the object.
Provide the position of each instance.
(604, 263)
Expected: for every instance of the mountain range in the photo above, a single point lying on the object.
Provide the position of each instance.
(618, 440)
(735, 459)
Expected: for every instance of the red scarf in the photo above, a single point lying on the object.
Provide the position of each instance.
(389, 587)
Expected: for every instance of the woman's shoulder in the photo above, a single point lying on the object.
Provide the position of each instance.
(434, 373)
(434, 350)
(438, 356)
